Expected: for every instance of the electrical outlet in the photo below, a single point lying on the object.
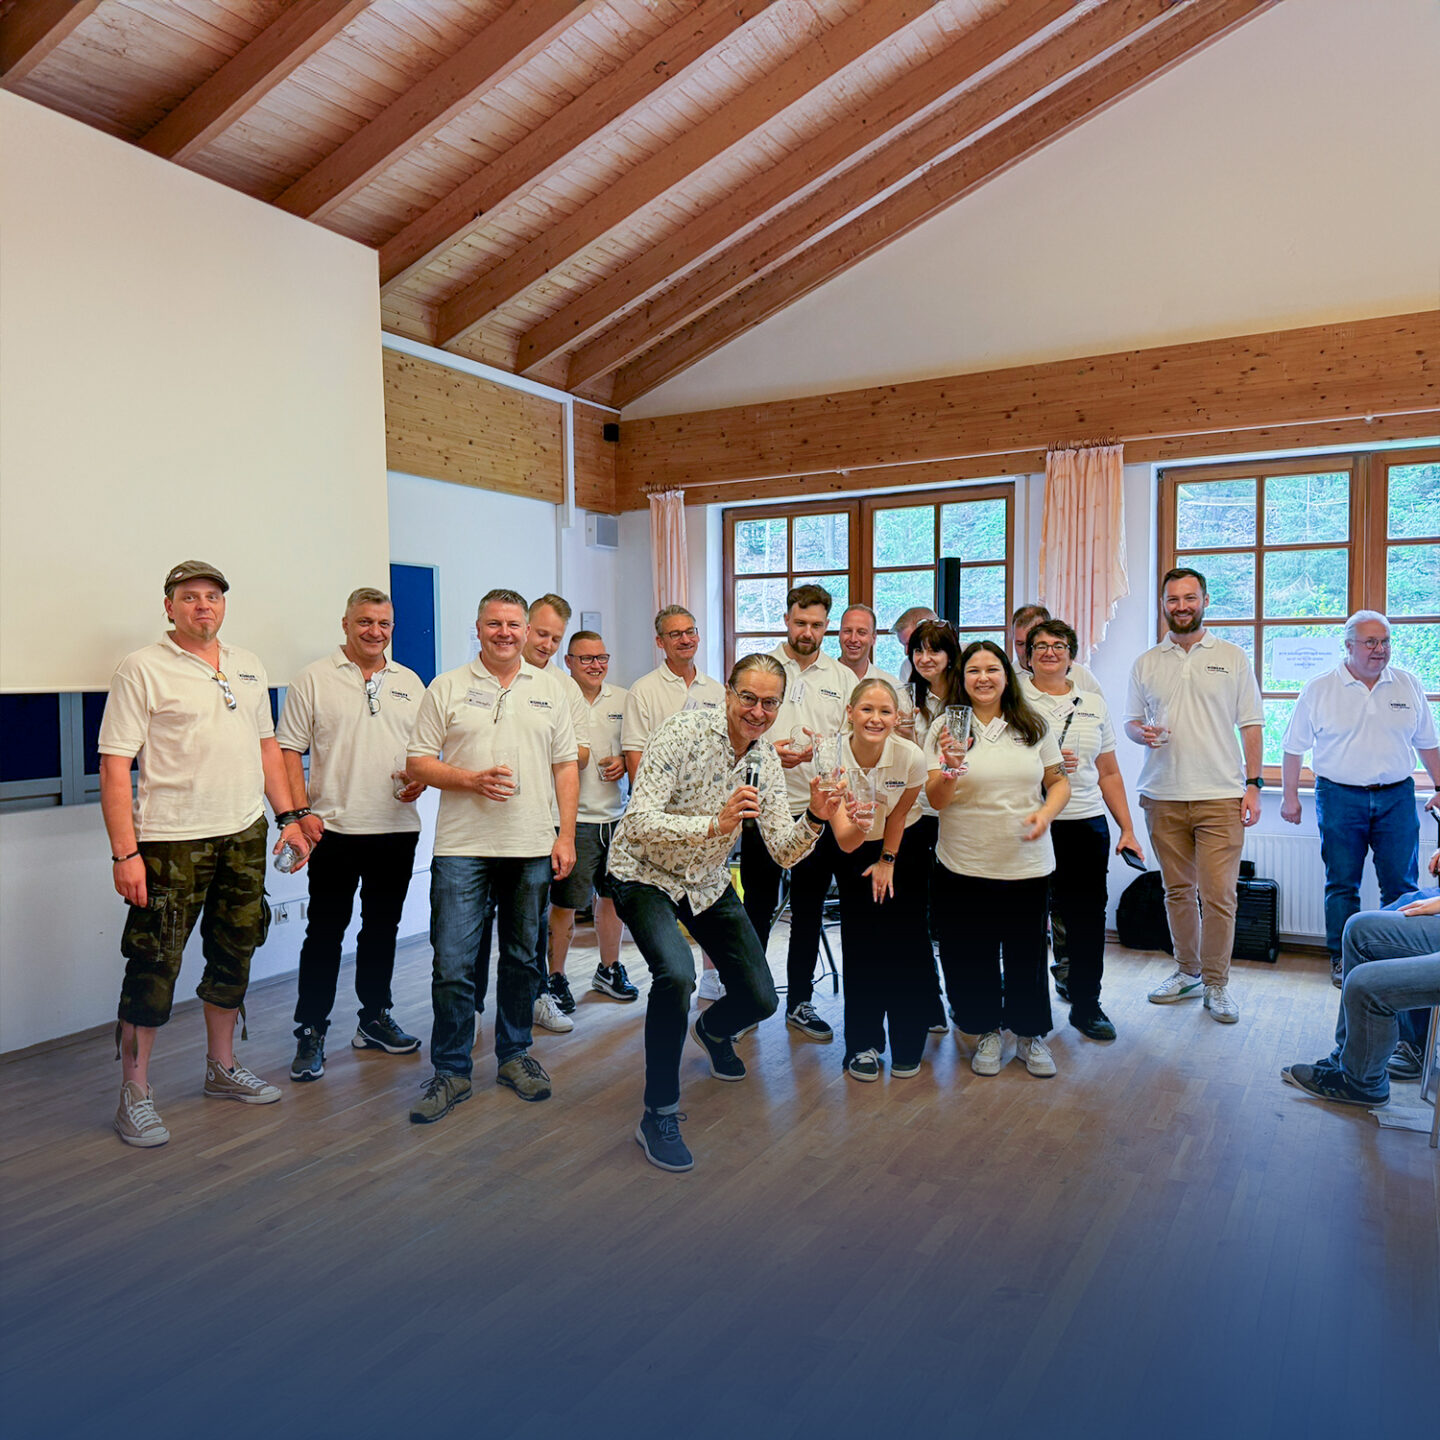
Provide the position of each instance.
(280, 914)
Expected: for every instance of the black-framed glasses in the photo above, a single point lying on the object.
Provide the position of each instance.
(372, 694)
(690, 634)
(749, 701)
(590, 659)
(231, 702)
(1042, 647)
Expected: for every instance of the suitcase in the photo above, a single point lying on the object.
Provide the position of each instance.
(1257, 917)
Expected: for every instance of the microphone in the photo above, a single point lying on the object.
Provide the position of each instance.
(751, 776)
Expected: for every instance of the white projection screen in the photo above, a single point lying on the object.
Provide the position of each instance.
(185, 373)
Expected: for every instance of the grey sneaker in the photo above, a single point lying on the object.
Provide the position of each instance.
(136, 1122)
(659, 1138)
(1405, 1063)
(442, 1093)
(525, 1076)
(309, 1061)
(237, 1084)
(1221, 1004)
(986, 1059)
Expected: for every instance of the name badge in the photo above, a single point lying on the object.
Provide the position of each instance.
(691, 703)
(483, 699)
(797, 693)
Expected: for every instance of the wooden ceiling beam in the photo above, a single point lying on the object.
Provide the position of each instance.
(30, 31)
(786, 272)
(274, 54)
(730, 269)
(535, 158)
(516, 37)
(859, 132)
(815, 63)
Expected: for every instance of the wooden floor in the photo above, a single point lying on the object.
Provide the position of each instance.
(1163, 1240)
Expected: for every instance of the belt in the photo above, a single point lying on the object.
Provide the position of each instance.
(1386, 785)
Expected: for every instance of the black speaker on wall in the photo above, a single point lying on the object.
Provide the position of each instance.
(947, 589)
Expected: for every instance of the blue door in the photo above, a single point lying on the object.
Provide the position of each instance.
(412, 587)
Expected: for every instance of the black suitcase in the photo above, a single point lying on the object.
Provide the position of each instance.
(1257, 917)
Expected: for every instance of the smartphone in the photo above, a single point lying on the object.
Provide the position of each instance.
(1132, 859)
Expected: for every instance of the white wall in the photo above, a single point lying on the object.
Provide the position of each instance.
(1288, 175)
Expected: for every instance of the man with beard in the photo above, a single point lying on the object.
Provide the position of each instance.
(1188, 695)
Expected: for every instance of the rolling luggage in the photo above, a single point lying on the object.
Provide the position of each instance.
(1257, 917)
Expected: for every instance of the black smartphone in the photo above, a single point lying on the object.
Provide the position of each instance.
(1132, 859)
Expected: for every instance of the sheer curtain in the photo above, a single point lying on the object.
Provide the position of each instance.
(1082, 540)
(667, 546)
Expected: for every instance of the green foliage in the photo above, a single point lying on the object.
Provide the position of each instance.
(905, 536)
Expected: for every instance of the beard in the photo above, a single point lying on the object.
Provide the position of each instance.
(1186, 627)
(804, 645)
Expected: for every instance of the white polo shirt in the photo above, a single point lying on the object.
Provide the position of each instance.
(466, 717)
(200, 770)
(1208, 692)
(655, 697)
(1362, 736)
(602, 801)
(874, 672)
(901, 767)
(1090, 734)
(1080, 676)
(816, 698)
(353, 752)
(980, 827)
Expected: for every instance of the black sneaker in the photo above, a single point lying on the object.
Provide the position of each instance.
(612, 980)
(1326, 1081)
(805, 1018)
(382, 1033)
(864, 1066)
(1061, 974)
(309, 1061)
(1337, 972)
(559, 988)
(1093, 1024)
(725, 1064)
(1405, 1063)
(659, 1137)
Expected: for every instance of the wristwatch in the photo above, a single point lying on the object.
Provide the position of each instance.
(887, 857)
(1258, 781)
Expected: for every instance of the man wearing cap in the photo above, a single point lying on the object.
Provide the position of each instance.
(353, 711)
(195, 714)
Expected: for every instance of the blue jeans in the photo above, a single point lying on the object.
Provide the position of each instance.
(1352, 821)
(464, 891)
(1368, 1025)
(725, 933)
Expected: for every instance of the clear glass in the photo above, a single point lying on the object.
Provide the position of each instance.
(761, 546)
(905, 536)
(862, 794)
(509, 757)
(982, 595)
(1214, 512)
(1241, 635)
(889, 653)
(1230, 580)
(760, 604)
(1414, 501)
(398, 778)
(1412, 579)
(822, 542)
(1307, 582)
(1301, 508)
(957, 726)
(897, 590)
(973, 529)
(1416, 647)
(827, 758)
(838, 588)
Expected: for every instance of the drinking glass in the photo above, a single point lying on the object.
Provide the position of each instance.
(862, 789)
(957, 726)
(827, 759)
(509, 757)
(398, 778)
(1157, 719)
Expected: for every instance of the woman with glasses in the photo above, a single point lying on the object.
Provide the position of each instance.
(996, 802)
(1080, 722)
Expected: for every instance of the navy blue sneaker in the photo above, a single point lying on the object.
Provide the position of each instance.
(659, 1137)
(382, 1033)
(725, 1064)
(1327, 1081)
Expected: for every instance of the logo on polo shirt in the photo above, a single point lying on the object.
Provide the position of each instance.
(400, 694)
(892, 784)
(539, 704)
(247, 677)
(831, 694)
(1399, 704)
(614, 715)
(1217, 669)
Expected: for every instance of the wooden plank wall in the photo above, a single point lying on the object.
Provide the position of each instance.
(1356, 382)
(595, 459)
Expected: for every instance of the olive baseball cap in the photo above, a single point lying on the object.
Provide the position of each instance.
(194, 570)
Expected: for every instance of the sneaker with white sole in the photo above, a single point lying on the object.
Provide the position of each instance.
(382, 1033)
(805, 1018)
(237, 1084)
(612, 980)
(864, 1066)
(986, 1059)
(549, 1016)
(710, 987)
(1033, 1050)
(1178, 986)
(1221, 1004)
(659, 1137)
(904, 1069)
(136, 1121)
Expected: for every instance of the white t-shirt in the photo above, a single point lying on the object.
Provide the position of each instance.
(1362, 736)
(655, 697)
(1089, 734)
(1208, 693)
(200, 770)
(814, 697)
(468, 718)
(874, 672)
(901, 767)
(603, 800)
(353, 753)
(1080, 676)
(980, 828)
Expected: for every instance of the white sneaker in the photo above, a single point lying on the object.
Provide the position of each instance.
(986, 1059)
(549, 1016)
(710, 987)
(1178, 986)
(1036, 1054)
(1221, 1004)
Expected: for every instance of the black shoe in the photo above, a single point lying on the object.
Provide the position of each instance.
(725, 1064)
(382, 1033)
(612, 980)
(659, 1137)
(1061, 974)
(1405, 1063)
(805, 1018)
(559, 988)
(1093, 1024)
(1337, 973)
(309, 1061)
(1327, 1081)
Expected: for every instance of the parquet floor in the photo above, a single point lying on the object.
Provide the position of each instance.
(1162, 1240)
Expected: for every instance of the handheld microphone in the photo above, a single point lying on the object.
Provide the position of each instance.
(751, 776)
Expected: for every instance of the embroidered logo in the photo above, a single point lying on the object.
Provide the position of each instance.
(247, 677)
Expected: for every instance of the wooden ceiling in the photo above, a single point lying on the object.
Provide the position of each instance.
(598, 194)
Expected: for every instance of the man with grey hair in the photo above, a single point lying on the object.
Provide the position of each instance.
(1365, 722)
(353, 712)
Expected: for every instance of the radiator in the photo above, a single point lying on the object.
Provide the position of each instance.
(1293, 861)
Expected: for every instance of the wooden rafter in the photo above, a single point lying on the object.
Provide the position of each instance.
(532, 160)
(814, 64)
(276, 52)
(854, 134)
(30, 31)
(519, 34)
(785, 275)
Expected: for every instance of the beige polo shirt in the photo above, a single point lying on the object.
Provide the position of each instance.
(353, 753)
(816, 698)
(655, 697)
(200, 770)
(901, 767)
(602, 801)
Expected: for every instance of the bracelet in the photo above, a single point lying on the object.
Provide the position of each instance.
(121, 859)
(291, 817)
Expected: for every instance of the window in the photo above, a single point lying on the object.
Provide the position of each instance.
(1290, 548)
(879, 549)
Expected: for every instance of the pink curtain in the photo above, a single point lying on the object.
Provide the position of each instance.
(667, 546)
(1082, 540)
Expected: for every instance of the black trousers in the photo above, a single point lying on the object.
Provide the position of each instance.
(379, 866)
(1077, 898)
(889, 965)
(919, 843)
(992, 949)
(809, 885)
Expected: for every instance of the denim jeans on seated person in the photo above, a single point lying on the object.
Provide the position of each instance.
(724, 932)
(464, 889)
(1374, 997)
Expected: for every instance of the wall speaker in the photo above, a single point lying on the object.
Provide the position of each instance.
(947, 589)
(602, 532)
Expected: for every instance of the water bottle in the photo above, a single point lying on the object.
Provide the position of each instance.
(286, 858)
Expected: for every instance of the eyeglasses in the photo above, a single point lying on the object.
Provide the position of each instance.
(230, 701)
(1383, 643)
(690, 634)
(499, 706)
(590, 659)
(1058, 648)
(748, 701)
(372, 694)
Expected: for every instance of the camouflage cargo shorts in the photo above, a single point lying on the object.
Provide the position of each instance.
(219, 881)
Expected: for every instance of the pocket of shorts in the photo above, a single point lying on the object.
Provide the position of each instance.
(265, 918)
